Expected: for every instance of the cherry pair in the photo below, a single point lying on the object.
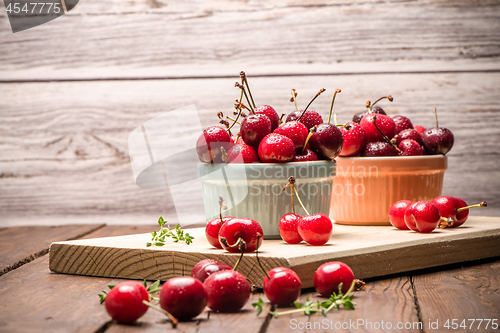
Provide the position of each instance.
(425, 216)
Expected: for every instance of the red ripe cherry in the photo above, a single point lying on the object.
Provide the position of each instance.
(242, 154)
(358, 116)
(124, 302)
(183, 297)
(283, 287)
(438, 140)
(420, 129)
(296, 131)
(384, 123)
(448, 208)
(210, 269)
(209, 143)
(276, 148)
(461, 216)
(327, 141)
(379, 148)
(306, 155)
(249, 230)
(254, 127)
(228, 291)
(330, 275)
(271, 113)
(409, 147)
(199, 265)
(288, 228)
(402, 123)
(310, 118)
(315, 229)
(397, 214)
(212, 230)
(409, 133)
(422, 216)
(354, 139)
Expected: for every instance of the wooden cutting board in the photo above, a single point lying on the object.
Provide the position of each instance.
(369, 250)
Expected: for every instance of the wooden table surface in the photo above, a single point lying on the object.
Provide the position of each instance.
(33, 299)
(73, 89)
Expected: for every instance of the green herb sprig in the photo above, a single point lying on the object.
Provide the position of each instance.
(309, 307)
(153, 288)
(176, 234)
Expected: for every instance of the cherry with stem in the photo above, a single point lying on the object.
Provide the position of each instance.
(322, 90)
(386, 139)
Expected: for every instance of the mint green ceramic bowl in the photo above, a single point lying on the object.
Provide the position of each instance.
(255, 190)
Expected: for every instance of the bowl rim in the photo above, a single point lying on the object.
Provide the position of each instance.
(439, 156)
(305, 163)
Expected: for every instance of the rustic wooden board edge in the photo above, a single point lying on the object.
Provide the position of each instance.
(91, 257)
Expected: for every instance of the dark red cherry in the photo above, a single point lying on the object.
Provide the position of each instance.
(276, 148)
(228, 291)
(296, 131)
(397, 214)
(409, 147)
(409, 133)
(402, 123)
(271, 113)
(437, 140)
(242, 154)
(380, 148)
(210, 269)
(327, 141)
(183, 297)
(124, 302)
(283, 287)
(288, 228)
(212, 230)
(330, 275)
(307, 155)
(310, 118)
(384, 123)
(199, 265)
(209, 143)
(249, 230)
(254, 127)
(358, 116)
(354, 139)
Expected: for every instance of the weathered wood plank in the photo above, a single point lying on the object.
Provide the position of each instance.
(20, 245)
(140, 39)
(66, 158)
(369, 251)
(461, 296)
(381, 306)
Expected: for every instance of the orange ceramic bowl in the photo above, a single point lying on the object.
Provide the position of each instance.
(366, 187)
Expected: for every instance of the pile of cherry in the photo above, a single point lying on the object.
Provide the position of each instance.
(425, 216)
(222, 289)
(304, 136)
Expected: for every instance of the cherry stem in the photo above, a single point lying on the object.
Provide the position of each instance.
(281, 118)
(368, 106)
(242, 87)
(386, 139)
(245, 82)
(389, 97)
(238, 109)
(331, 106)
(312, 100)
(258, 260)
(291, 184)
(242, 247)
(435, 116)
(294, 95)
(311, 132)
(234, 120)
(157, 308)
(445, 222)
(221, 206)
(481, 204)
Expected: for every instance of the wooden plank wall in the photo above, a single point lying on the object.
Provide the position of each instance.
(73, 89)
